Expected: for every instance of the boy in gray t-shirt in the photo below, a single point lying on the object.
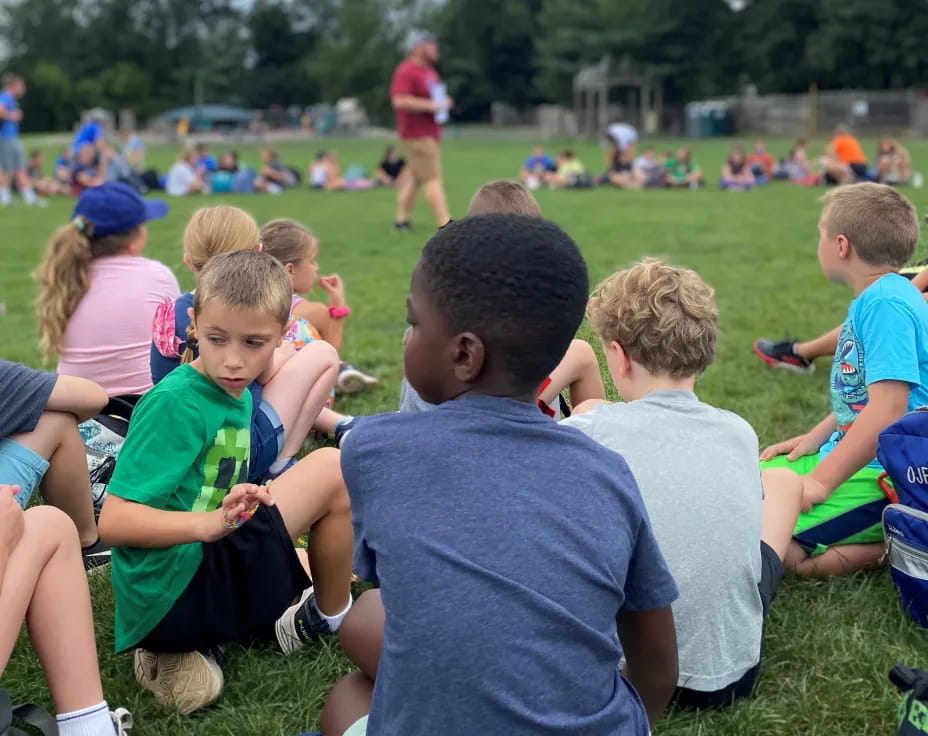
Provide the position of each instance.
(696, 466)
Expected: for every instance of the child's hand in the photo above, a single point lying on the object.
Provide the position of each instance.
(237, 507)
(813, 492)
(11, 518)
(794, 448)
(335, 288)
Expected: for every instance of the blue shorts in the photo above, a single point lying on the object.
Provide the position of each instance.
(267, 440)
(20, 466)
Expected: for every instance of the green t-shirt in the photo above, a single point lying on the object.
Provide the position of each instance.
(188, 444)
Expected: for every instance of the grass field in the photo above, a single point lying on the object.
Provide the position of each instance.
(828, 644)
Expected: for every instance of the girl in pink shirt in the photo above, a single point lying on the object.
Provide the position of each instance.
(98, 294)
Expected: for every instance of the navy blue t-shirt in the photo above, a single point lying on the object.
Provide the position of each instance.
(504, 545)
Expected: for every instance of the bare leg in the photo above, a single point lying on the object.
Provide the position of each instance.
(839, 560)
(66, 483)
(349, 700)
(44, 581)
(406, 190)
(311, 496)
(434, 192)
(361, 633)
(579, 372)
(299, 391)
(820, 347)
(588, 406)
(330, 329)
(780, 508)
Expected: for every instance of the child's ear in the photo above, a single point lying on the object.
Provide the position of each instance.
(192, 317)
(468, 357)
(844, 247)
(620, 358)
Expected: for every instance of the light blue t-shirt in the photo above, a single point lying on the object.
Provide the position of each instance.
(9, 128)
(884, 338)
(504, 545)
(89, 132)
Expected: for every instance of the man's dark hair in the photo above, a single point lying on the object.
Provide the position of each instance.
(517, 282)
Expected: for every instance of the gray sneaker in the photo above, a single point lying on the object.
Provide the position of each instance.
(351, 380)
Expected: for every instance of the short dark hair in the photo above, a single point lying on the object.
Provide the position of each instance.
(517, 282)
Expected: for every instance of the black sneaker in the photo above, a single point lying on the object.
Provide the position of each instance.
(301, 623)
(402, 226)
(96, 555)
(783, 355)
(342, 429)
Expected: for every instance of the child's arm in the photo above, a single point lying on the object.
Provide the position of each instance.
(803, 444)
(920, 280)
(77, 396)
(888, 401)
(649, 641)
(128, 524)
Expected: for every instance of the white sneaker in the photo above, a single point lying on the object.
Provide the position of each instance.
(122, 721)
(351, 380)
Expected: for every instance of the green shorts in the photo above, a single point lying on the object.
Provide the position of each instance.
(851, 515)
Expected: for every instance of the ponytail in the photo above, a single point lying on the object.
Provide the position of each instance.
(64, 276)
(190, 340)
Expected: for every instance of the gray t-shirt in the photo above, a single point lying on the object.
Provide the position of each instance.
(25, 393)
(697, 468)
(410, 401)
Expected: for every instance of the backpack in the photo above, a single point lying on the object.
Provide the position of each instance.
(29, 714)
(103, 436)
(913, 710)
(902, 450)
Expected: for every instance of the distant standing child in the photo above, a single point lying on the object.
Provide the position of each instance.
(867, 232)
(98, 294)
(297, 248)
(532, 599)
(578, 371)
(697, 469)
(40, 446)
(12, 154)
(201, 557)
(288, 399)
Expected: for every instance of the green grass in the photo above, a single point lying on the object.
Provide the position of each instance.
(827, 646)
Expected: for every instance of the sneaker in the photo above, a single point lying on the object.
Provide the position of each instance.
(189, 680)
(351, 380)
(301, 623)
(402, 226)
(122, 721)
(95, 556)
(342, 429)
(782, 355)
(269, 476)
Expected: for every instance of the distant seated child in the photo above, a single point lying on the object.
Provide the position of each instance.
(530, 599)
(570, 172)
(867, 232)
(578, 372)
(40, 445)
(201, 557)
(697, 469)
(41, 581)
(535, 167)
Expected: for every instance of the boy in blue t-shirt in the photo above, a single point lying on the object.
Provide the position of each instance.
(507, 606)
(867, 232)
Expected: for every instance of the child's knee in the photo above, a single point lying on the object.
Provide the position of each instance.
(319, 351)
(361, 633)
(781, 483)
(50, 524)
(581, 353)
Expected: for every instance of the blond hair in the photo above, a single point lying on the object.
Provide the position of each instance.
(245, 280)
(505, 198)
(64, 276)
(664, 317)
(219, 229)
(288, 241)
(877, 220)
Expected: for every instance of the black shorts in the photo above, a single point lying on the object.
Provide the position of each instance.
(771, 570)
(244, 583)
(860, 171)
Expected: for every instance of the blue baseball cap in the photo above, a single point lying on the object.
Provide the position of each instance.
(115, 207)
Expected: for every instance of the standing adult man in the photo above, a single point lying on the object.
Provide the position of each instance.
(421, 105)
(12, 155)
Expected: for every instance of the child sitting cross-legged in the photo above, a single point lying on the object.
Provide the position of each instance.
(867, 232)
(533, 593)
(697, 468)
(201, 557)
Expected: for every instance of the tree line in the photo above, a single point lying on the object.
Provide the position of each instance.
(151, 55)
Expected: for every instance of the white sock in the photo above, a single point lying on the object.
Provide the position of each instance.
(92, 721)
(279, 464)
(334, 621)
(29, 195)
(6, 197)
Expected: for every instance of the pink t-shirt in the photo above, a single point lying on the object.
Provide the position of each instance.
(108, 338)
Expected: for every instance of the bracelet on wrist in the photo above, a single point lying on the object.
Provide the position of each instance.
(339, 312)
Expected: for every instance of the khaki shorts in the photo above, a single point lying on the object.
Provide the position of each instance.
(423, 158)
